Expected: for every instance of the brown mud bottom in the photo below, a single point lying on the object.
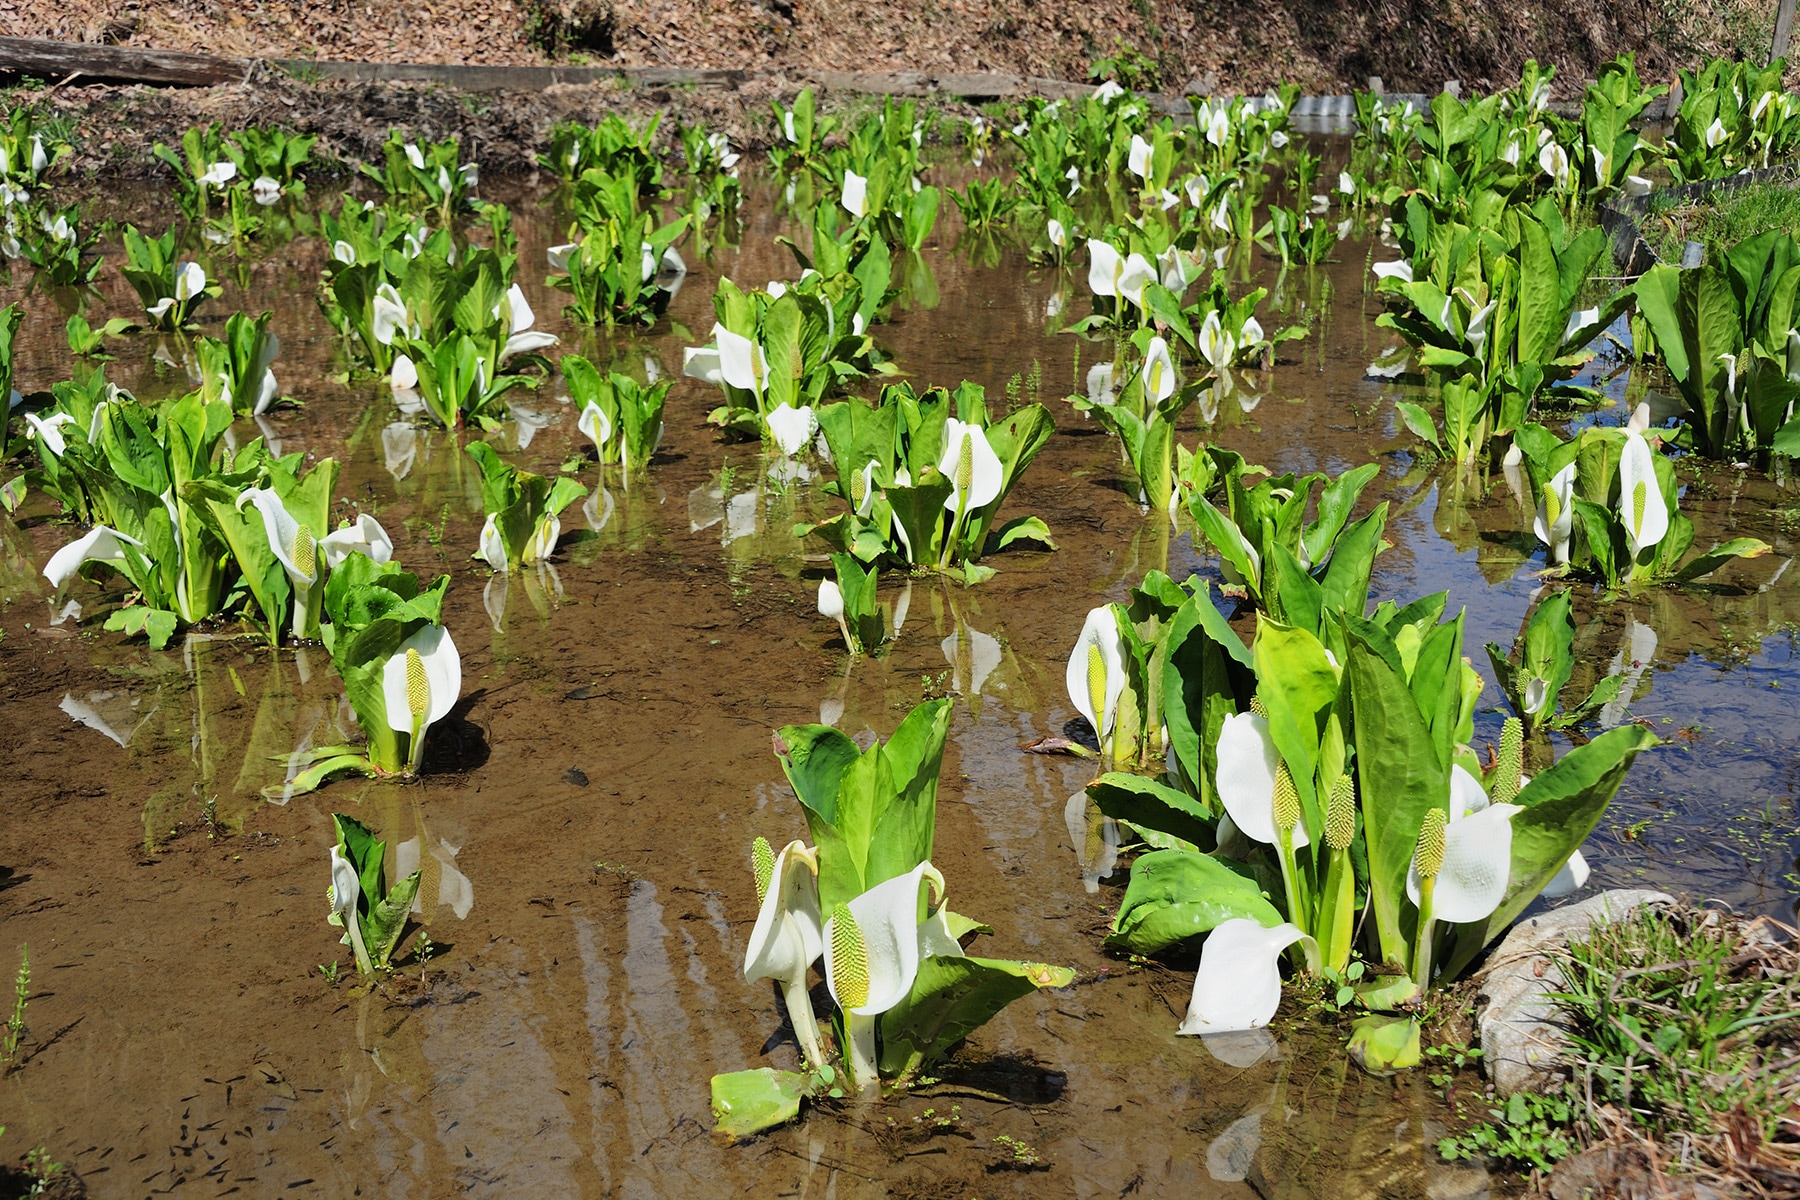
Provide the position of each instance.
(597, 789)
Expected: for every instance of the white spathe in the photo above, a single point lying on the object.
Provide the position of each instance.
(49, 430)
(1100, 630)
(1158, 376)
(265, 191)
(595, 425)
(1571, 878)
(218, 174)
(365, 537)
(1247, 760)
(1104, 267)
(345, 887)
(986, 474)
(893, 938)
(1059, 236)
(520, 339)
(792, 428)
(702, 363)
(387, 314)
(443, 672)
(1555, 519)
(1477, 854)
(831, 599)
(280, 527)
(742, 363)
(1238, 985)
(404, 376)
(1399, 269)
(856, 194)
(788, 936)
(190, 281)
(100, 544)
(492, 547)
(1641, 504)
(1137, 274)
(1139, 157)
(1217, 347)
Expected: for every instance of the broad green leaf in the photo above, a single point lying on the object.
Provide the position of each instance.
(748, 1102)
(1175, 895)
(951, 998)
(1148, 804)
(1399, 776)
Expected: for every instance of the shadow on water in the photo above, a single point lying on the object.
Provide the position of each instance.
(601, 781)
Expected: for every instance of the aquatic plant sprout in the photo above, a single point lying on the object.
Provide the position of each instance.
(893, 959)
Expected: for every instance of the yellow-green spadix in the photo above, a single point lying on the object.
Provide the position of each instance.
(1477, 854)
(443, 678)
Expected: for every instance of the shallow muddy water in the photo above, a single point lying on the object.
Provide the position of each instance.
(585, 820)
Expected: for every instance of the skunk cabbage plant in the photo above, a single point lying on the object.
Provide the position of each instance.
(1322, 791)
(399, 666)
(866, 899)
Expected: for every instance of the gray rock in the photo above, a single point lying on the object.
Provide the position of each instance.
(1522, 1034)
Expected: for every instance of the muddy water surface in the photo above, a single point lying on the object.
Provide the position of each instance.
(583, 826)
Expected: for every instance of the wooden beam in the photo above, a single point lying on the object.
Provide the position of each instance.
(56, 60)
(1784, 25)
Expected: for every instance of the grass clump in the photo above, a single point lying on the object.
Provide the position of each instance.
(1685, 1034)
(1724, 219)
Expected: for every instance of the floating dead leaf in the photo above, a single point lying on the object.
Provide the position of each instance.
(1057, 745)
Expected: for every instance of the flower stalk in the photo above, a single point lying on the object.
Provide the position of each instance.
(1428, 860)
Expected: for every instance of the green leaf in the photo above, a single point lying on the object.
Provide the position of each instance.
(1383, 1045)
(1298, 687)
(1152, 805)
(1399, 776)
(386, 924)
(1712, 560)
(1021, 529)
(1207, 670)
(1562, 806)
(951, 998)
(158, 625)
(1419, 421)
(747, 1102)
(1175, 895)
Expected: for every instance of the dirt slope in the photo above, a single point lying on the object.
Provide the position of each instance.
(1326, 45)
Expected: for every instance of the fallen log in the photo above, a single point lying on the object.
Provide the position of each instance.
(66, 60)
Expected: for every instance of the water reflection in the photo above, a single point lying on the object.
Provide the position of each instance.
(114, 714)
